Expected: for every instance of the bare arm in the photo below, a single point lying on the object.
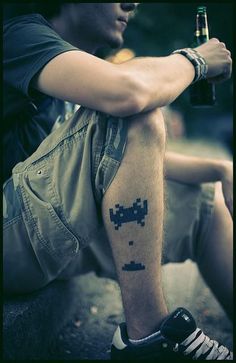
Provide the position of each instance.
(132, 87)
(191, 169)
(118, 89)
(195, 170)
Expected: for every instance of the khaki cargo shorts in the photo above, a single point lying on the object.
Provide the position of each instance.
(53, 226)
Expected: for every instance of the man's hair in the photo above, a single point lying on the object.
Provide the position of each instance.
(46, 9)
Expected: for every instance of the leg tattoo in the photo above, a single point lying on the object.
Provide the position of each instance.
(133, 266)
(124, 215)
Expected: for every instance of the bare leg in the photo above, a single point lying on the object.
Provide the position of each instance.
(140, 176)
(216, 262)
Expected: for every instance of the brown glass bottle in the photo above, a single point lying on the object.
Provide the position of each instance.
(202, 93)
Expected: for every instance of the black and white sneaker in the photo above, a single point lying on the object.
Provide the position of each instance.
(178, 338)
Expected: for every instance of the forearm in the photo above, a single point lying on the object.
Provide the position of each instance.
(193, 170)
(159, 80)
(121, 90)
(136, 86)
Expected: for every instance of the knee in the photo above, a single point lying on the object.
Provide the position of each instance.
(219, 198)
(148, 129)
(218, 191)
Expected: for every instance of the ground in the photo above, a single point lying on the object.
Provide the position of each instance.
(88, 334)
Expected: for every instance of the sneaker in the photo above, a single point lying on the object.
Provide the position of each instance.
(178, 339)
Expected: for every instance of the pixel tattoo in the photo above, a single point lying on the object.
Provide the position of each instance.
(137, 212)
(133, 266)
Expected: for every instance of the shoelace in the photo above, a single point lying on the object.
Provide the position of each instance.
(210, 349)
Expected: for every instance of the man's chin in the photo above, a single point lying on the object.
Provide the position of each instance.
(112, 43)
(116, 42)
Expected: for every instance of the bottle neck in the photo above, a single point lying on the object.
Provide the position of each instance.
(201, 32)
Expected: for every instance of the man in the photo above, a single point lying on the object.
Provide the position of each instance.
(76, 188)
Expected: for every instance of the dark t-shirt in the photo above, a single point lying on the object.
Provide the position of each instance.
(29, 42)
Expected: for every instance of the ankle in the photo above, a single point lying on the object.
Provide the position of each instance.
(142, 329)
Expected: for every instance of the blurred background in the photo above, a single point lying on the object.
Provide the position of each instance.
(157, 30)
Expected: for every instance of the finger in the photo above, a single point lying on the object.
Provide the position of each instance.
(217, 79)
(222, 77)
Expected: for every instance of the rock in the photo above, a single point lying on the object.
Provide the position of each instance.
(31, 322)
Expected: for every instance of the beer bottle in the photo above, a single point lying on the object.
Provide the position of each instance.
(202, 93)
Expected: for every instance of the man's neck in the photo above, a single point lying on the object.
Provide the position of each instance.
(64, 32)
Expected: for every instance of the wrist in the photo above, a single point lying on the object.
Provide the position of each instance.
(199, 63)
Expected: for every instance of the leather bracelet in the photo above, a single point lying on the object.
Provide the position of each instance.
(197, 61)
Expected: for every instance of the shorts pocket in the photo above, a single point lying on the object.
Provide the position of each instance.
(45, 227)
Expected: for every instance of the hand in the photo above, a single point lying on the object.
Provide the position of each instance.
(218, 59)
(227, 185)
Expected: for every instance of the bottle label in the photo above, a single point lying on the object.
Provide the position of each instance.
(205, 32)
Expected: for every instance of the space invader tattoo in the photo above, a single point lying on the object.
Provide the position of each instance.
(133, 266)
(137, 212)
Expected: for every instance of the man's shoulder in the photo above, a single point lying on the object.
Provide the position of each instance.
(24, 20)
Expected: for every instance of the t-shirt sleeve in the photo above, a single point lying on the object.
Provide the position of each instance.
(29, 44)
